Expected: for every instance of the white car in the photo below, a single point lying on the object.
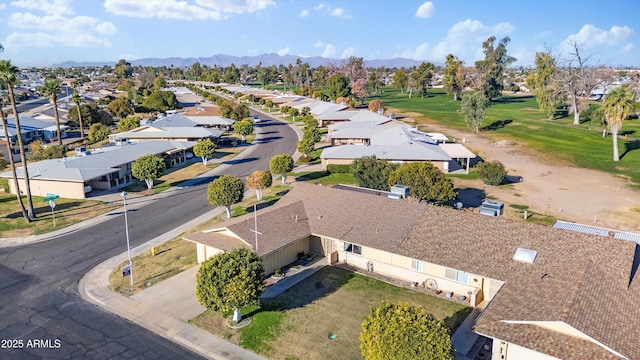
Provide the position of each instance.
(256, 118)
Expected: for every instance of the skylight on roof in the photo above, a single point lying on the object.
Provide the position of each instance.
(525, 255)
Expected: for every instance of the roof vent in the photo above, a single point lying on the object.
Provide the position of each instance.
(525, 255)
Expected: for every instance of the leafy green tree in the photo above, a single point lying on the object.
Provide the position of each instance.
(426, 182)
(452, 81)
(403, 332)
(281, 164)
(39, 152)
(77, 99)
(543, 85)
(120, 107)
(422, 76)
(51, 88)
(161, 101)
(372, 173)
(492, 68)
(123, 69)
(338, 86)
(230, 280)
(9, 78)
(268, 104)
(293, 112)
(159, 82)
(128, 123)
(474, 104)
(491, 172)
(306, 146)
(205, 149)
(244, 127)
(225, 191)
(98, 132)
(148, 168)
(618, 104)
(259, 180)
(400, 79)
(233, 110)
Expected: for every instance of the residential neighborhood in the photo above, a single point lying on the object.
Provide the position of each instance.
(428, 180)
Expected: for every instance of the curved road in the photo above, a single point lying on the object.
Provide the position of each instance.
(41, 312)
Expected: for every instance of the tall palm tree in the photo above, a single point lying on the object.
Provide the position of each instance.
(77, 99)
(12, 164)
(8, 77)
(618, 104)
(51, 88)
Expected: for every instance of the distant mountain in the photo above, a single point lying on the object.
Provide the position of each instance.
(226, 60)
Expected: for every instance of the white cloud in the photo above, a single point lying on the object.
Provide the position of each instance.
(627, 48)
(590, 36)
(420, 53)
(54, 30)
(59, 7)
(233, 6)
(318, 7)
(348, 52)
(318, 43)
(283, 52)
(465, 39)
(339, 12)
(304, 13)
(425, 10)
(181, 10)
(329, 51)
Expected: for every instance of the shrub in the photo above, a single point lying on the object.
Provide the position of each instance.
(491, 172)
(339, 169)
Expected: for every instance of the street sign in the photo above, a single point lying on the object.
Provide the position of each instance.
(126, 270)
(52, 204)
(50, 197)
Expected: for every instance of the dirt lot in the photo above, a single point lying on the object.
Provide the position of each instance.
(568, 193)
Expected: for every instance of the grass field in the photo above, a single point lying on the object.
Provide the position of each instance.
(67, 212)
(518, 118)
(297, 323)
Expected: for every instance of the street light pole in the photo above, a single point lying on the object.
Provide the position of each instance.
(126, 229)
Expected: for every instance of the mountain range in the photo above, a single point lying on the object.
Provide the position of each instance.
(223, 60)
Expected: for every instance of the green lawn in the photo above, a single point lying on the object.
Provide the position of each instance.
(518, 118)
(297, 323)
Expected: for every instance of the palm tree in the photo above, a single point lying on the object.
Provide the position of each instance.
(12, 164)
(51, 88)
(8, 77)
(77, 99)
(618, 104)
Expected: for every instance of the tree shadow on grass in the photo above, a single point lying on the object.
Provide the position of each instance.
(498, 124)
(312, 176)
(630, 146)
(454, 321)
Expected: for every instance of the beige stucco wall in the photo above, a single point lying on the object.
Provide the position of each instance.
(284, 256)
(399, 267)
(65, 189)
(508, 351)
(205, 252)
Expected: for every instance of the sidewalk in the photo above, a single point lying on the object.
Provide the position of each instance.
(165, 307)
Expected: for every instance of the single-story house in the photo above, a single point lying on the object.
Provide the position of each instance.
(102, 169)
(392, 141)
(546, 293)
(319, 108)
(32, 129)
(180, 120)
(340, 116)
(150, 132)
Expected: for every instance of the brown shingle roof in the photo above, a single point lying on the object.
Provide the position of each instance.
(579, 279)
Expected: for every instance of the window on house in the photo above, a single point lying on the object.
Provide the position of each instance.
(416, 265)
(352, 248)
(456, 275)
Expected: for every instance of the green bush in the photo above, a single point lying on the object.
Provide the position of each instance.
(491, 172)
(339, 169)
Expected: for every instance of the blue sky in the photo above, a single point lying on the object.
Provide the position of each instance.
(45, 32)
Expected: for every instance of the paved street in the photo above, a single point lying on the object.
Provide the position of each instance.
(39, 281)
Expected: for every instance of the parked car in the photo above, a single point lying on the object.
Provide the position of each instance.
(256, 118)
